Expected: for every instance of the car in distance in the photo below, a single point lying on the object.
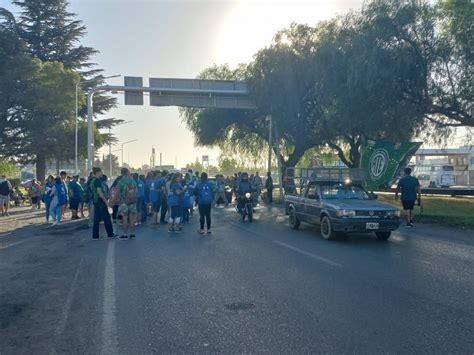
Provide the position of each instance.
(340, 208)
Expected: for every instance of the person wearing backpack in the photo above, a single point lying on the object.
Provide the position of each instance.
(58, 200)
(100, 209)
(128, 204)
(175, 202)
(204, 197)
(5, 190)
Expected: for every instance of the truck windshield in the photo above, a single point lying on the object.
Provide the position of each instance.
(338, 191)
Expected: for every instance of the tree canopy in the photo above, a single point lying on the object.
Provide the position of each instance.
(385, 71)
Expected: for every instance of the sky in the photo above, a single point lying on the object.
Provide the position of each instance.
(179, 39)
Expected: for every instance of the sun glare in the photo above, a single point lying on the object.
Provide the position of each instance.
(251, 25)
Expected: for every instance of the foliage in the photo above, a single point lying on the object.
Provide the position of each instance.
(52, 33)
(7, 168)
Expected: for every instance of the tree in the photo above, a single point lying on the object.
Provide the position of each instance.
(7, 168)
(360, 83)
(52, 33)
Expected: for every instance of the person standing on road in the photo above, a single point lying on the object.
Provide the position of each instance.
(175, 202)
(101, 211)
(409, 187)
(76, 193)
(269, 187)
(48, 188)
(64, 177)
(82, 182)
(5, 190)
(58, 200)
(35, 194)
(204, 197)
(128, 204)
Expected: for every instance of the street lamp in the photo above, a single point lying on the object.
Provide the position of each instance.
(76, 159)
(127, 143)
(110, 146)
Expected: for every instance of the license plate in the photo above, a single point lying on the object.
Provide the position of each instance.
(371, 226)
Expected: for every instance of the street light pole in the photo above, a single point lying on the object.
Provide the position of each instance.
(110, 146)
(89, 129)
(127, 143)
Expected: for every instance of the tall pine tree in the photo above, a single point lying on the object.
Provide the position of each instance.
(52, 33)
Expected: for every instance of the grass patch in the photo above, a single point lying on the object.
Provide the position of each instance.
(447, 211)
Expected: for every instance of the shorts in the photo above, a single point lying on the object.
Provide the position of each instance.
(35, 200)
(408, 204)
(176, 212)
(74, 203)
(125, 210)
(4, 199)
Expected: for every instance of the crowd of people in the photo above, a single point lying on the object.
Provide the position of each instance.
(157, 198)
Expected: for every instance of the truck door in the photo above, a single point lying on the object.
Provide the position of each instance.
(312, 204)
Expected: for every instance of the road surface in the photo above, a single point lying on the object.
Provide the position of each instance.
(259, 288)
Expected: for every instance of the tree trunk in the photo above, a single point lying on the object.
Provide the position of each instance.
(57, 167)
(40, 168)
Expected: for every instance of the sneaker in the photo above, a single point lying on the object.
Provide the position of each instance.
(112, 236)
(123, 237)
(201, 231)
(132, 236)
(178, 230)
(209, 231)
(409, 225)
(55, 223)
(7, 214)
(171, 229)
(96, 238)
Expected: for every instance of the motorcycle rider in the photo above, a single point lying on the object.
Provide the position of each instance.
(243, 187)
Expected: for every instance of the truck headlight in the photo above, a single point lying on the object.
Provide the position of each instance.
(393, 213)
(345, 213)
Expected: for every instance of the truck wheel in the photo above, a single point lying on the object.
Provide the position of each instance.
(383, 235)
(294, 221)
(326, 229)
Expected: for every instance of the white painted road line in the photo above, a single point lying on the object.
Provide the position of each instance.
(109, 320)
(311, 255)
(3, 245)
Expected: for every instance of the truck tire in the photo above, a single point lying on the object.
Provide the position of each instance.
(294, 221)
(383, 235)
(326, 229)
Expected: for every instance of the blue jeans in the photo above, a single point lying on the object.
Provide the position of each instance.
(55, 211)
(48, 206)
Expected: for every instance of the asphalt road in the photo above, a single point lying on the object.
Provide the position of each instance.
(259, 288)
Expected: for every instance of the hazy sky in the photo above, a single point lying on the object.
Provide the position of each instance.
(179, 39)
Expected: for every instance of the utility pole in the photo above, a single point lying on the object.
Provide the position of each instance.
(110, 154)
(270, 143)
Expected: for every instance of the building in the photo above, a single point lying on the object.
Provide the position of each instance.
(461, 158)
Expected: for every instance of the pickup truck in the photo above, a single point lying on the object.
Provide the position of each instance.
(340, 208)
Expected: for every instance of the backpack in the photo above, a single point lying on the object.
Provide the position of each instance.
(114, 195)
(61, 191)
(4, 188)
(130, 194)
(205, 196)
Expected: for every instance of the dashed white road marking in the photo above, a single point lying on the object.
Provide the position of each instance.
(109, 320)
(306, 253)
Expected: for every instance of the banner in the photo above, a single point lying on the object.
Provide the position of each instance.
(383, 161)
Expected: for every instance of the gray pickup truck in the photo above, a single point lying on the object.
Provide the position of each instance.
(341, 208)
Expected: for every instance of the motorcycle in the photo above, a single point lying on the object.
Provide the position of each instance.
(246, 208)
